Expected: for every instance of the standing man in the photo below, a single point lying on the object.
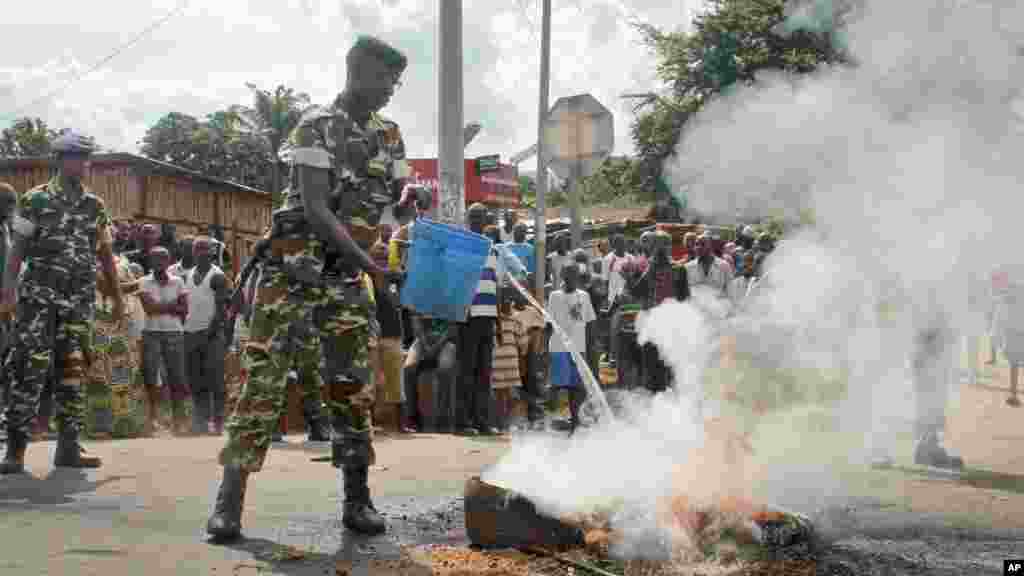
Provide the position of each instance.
(204, 337)
(560, 257)
(476, 342)
(708, 270)
(186, 262)
(344, 170)
(662, 280)
(521, 249)
(61, 227)
(165, 301)
(218, 249)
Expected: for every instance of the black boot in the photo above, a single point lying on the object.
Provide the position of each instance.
(316, 429)
(14, 458)
(359, 515)
(226, 522)
(69, 452)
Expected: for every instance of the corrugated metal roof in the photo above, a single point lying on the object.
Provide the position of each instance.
(124, 157)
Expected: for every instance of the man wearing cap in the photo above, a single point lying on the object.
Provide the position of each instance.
(61, 227)
(346, 166)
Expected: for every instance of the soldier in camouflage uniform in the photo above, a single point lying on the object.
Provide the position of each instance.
(346, 165)
(60, 230)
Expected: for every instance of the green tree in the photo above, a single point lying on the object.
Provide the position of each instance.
(171, 139)
(731, 43)
(216, 146)
(26, 137)
(617, 178)
(272, 117)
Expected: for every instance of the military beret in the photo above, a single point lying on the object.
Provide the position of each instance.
(70, 142)
(369, 46)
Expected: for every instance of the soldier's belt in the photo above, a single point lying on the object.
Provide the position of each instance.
(282, 247)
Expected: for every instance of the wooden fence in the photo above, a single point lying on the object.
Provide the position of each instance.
(144, 190)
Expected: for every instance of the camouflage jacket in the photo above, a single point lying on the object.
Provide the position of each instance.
(62, 235)
(363, 183)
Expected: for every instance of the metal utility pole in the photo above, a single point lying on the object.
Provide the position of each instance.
(451, 135)
(575, 185)
(540, 225)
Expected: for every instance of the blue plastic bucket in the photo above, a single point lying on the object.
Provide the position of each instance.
(443, 269)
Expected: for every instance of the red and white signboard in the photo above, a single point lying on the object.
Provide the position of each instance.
(496, 188)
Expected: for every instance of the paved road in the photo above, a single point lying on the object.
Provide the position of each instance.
(144, 511)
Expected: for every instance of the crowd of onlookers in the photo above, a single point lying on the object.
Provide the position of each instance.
(467, 377)
(170, 313)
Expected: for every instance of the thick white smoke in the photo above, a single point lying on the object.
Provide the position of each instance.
(909, 162)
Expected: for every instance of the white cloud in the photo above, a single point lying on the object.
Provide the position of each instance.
(200, 60)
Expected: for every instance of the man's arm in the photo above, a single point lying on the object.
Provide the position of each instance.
(219, 285)
(312, 165)
(105, 248)
(23, 230)
(15, 255)
(181, 303)
(154, 308)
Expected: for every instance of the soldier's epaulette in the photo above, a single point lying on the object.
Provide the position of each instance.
(316, 114)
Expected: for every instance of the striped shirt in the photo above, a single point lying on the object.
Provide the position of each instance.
(507, 343)
(485, 302)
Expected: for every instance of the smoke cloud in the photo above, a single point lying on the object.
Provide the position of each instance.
(908, 161)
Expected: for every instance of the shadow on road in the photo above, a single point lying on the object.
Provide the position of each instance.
(282, 559)
(58, 487)
(352, 556)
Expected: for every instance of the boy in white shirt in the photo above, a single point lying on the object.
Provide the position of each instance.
(572, 311)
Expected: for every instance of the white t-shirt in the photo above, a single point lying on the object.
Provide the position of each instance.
(572, 312)
(166, 294)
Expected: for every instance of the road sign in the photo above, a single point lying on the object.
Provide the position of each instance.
(487, 164)
(579, 134)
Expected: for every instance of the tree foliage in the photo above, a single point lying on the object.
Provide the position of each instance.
(732, 42)
(26, 137)
(214, 146)
(271, 118)
(617, 178)
(239, 143)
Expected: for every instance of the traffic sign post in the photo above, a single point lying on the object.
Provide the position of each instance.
(579, 134)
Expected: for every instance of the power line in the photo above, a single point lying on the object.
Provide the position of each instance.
(117, 52)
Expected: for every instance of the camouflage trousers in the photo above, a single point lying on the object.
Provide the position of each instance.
(48, 323)
(339, 316)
